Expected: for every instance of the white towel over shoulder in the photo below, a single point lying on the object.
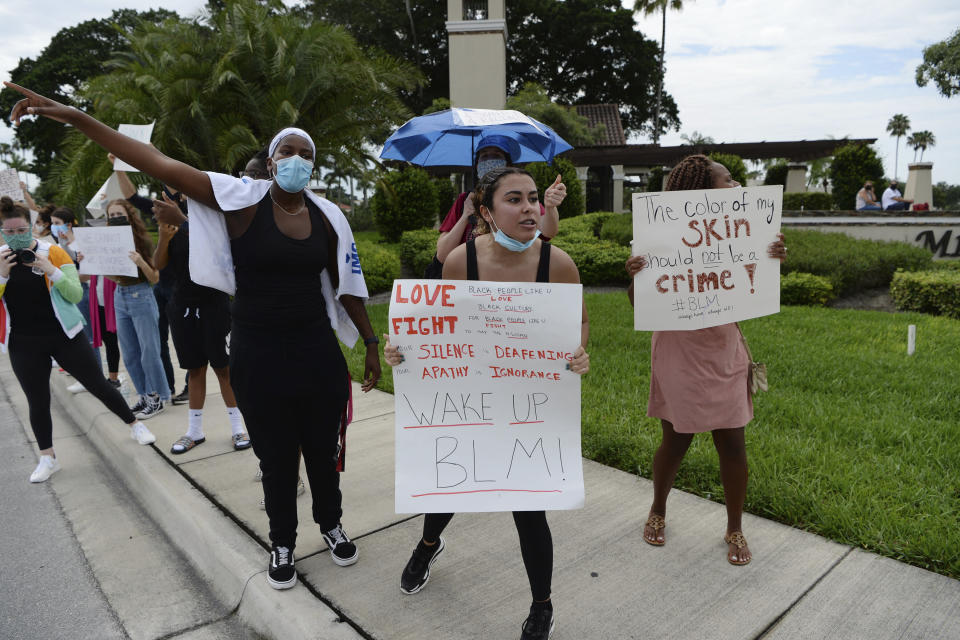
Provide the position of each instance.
(211, 263)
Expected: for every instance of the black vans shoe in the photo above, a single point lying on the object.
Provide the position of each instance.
(343, 552)
(281, 573)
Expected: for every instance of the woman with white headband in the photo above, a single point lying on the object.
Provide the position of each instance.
(296, 278)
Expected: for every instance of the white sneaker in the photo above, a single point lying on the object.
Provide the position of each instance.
(141, 434)
(47, 467)
(76, 387)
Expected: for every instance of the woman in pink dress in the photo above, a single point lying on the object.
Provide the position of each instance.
(698, 383)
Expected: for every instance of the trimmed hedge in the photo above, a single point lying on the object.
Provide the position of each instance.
(599, 261)
(380, 266)
(404, 200)
(936, 292)
(618, 230)
(805, 289)
(591, 223)
(417, 249)
(812, 200)
(848, 263)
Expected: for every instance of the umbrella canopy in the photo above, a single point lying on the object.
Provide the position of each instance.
(448, 138)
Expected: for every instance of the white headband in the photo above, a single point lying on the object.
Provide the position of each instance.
(290, 131)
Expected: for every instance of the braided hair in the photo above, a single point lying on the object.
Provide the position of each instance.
(693, 172)
(486, 187)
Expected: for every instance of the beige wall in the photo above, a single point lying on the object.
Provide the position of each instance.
(940, 235)
(478, 70)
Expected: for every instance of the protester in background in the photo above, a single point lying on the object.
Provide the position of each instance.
(515, 253)
(200, 322)
(137, 315)
(866, 200)
(698, 383)
(39, 289)
(494, 151)
(41, 228)
(256, 168)
(298, 280)
(893, 200)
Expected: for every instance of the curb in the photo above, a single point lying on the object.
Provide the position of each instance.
(226, 557)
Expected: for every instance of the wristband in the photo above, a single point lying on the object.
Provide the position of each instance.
(371, 340)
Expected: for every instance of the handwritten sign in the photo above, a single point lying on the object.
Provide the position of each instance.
(107, 193)
(706, 254)
(140, 132)
(106, 250)
(10, 185)
(487, 415)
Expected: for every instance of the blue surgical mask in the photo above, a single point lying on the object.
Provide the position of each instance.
(57, 229)
(293, 173)
(507, 242)
(488, 165)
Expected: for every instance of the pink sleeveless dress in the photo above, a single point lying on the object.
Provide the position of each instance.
(698, 379)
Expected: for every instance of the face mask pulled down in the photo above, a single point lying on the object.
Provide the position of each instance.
(507, 242)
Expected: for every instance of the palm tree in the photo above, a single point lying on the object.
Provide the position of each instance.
(648, 7)
(898, 126)
(696, 139)
(920, 140)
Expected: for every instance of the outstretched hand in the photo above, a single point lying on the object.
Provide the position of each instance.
(555, 193)
(33, 104)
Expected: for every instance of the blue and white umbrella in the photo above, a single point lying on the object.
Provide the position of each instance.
(448, 138)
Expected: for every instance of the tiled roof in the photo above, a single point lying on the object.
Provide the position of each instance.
(609, 116)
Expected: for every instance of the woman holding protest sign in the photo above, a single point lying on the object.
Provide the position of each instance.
(698, 383)
(297, 282)
(40, 289)
(507, 202)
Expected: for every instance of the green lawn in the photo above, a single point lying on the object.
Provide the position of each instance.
(855, 440)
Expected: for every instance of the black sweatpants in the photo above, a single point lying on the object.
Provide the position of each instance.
(279, 428)
(163, 326)
(30, 359)
(536, 545)
(109, 339)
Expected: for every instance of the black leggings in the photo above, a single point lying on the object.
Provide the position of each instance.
(109, 339)
(536, 545)
(30, 359)
(279, 429)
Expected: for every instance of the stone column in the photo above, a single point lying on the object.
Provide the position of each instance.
(473, 42)
(582, 174)
(796, 178)
(919, 183)
(618, 176)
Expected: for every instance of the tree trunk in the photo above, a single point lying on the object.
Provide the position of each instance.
(663, 42)
(896, 159)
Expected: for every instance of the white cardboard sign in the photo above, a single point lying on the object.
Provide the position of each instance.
(140, 132)
(10, 185)
(706, 254)
(108, 192)
(106, 250)
(487, 415)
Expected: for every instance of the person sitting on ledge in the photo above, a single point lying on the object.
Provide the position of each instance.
(893, 200)
(865, 198)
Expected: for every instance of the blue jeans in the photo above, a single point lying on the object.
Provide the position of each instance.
(870, 207)
(87, 327)
(139, 337)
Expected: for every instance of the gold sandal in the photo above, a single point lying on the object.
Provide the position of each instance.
(736, 538)
(657, 523)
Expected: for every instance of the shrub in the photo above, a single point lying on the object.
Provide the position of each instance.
(380, 266)
(734, 164)
(655, 182)
(777, 174)
(936, 292)
(852, 165)
(544, 174)
(808, 201)
(587, 223)
(446, 196)
(805, 289)
(404, 200)
(361, 218)
(849, 263)
(599, 261)
(618, 229)
(417, 249)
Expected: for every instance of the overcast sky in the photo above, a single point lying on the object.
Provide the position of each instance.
(740, 70)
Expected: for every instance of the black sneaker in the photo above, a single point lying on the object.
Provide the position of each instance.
(140, 406)
(183, 396)
(154, 406)
(116, 384)
(417, 571)
(343, 552)
(539, 624)
(281, 574)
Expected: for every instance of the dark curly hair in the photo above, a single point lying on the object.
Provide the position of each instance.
(693, 172)
(486, 187)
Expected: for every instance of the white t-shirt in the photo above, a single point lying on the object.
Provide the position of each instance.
(888, 196)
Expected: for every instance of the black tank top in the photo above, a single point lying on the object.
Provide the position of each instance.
(543, 268)
(278, 277)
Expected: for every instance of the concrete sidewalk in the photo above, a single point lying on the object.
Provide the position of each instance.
(607, 582)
